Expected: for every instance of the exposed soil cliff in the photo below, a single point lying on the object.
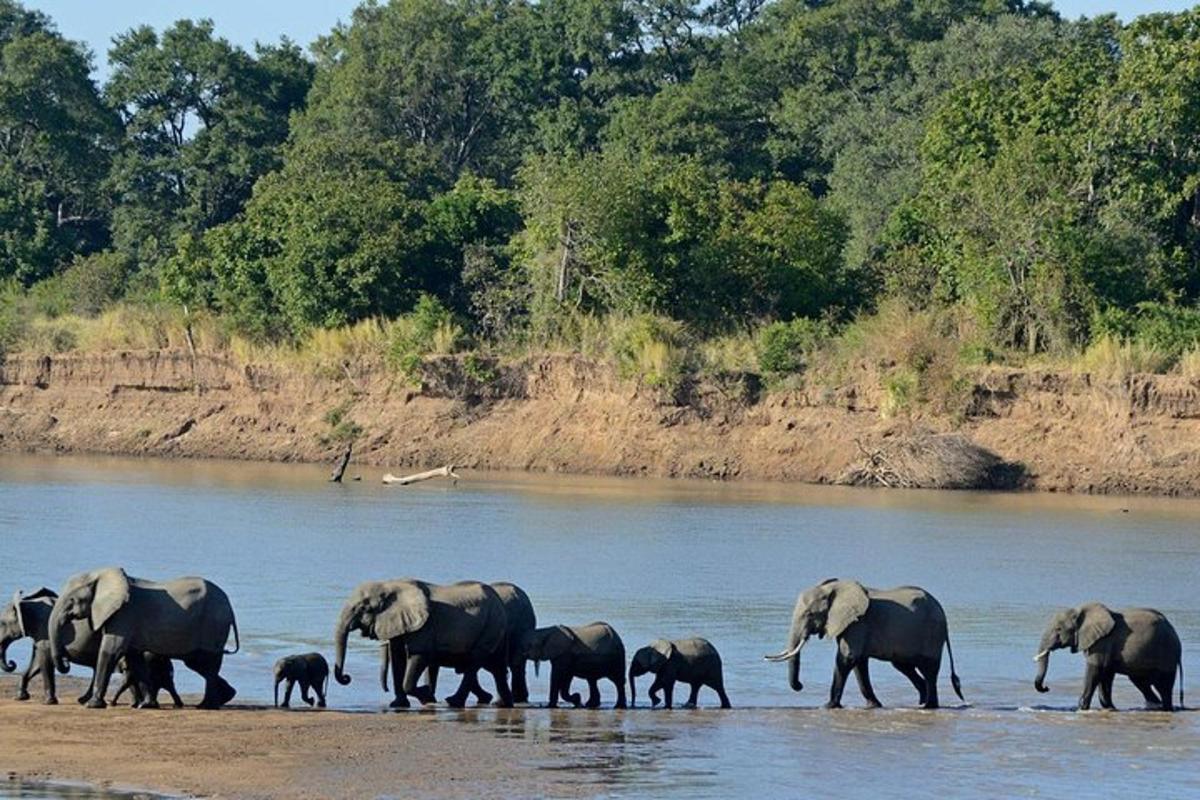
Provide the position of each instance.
(1062, 432)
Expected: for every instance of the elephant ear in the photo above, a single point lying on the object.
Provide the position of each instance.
(848, 604)
(111, 593)
(1095, 622)
(405, 609)
(558, 642)
(663, 648)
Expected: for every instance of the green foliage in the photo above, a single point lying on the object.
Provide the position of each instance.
(429, 329)
(652, 350)
(1171, 330)
(342, 429)
(785, 347)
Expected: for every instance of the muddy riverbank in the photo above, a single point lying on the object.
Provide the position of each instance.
(565, 414)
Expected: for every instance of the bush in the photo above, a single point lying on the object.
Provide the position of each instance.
(1115, 359)
(1169, 330)
(430, 328)
(651, 349)
(784, 347)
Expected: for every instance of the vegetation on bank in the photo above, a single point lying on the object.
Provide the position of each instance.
(816, 191)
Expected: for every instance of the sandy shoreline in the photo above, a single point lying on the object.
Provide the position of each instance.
(249, 751)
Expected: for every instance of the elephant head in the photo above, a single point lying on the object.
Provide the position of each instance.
(826, 610)
(90, 596)
(1077, 628)
(380, 610)
(547, 644)
(16, 620)
(650, 658)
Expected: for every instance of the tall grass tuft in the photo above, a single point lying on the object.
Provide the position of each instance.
(1114, 360)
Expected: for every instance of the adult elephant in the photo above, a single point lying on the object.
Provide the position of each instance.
(187, 618)
(522, 619)
(424, 624)
(1137, 642)
(905, 626)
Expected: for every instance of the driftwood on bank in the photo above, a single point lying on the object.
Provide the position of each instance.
(924, 460)
(340, 469)
(441, 472)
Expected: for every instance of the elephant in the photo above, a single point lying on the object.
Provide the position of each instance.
(146, 674)
(29, 615)
(521, 620)
(591, 652)
(693, 661)
(1137, 642)
(310, 670)
(423, 624)
(905, 626)
(186, 618)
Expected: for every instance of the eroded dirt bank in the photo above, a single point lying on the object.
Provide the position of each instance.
(566, 414)
(246, 752)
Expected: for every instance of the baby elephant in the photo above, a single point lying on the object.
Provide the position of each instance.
(693, 661)
(310, 670)
(1138, 642)
(590, 652)
(146, 674)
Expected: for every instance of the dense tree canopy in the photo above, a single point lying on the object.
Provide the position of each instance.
(722, 163)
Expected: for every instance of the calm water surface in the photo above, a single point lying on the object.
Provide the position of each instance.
(672, 559)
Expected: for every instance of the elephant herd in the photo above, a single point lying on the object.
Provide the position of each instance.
(108, 621)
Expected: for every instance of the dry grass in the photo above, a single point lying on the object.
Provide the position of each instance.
(1189, 365)
(732, 353)
(1114, 361)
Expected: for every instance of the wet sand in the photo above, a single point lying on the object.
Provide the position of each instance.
(249, 751)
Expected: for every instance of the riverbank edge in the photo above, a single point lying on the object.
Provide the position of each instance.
(564, 413)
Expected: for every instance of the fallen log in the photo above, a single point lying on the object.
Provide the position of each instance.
(340, 469)
(441, 472)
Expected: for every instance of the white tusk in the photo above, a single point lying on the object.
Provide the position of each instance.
(1041, 655)
(786, 654)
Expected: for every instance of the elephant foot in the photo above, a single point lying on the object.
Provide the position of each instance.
(310, 701)
(575, 700)
(285, 705)
(455, 701)
(654, 701)
(874, 704)
(399, 702)
(22, 695)
(320, 704)
(50, 701)
(83, 698)
(152, 704)
(96, 702)
(591, 703)
(501, 704)
(688, 704)
(484, 698)
(831, 705)
(620, 704)
(424, 695)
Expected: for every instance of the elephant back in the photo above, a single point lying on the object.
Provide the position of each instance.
(205, 608)
(474, 605)
(517, 606)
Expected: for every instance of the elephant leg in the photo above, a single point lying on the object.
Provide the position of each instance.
(914, 677)
(111, 649)
(1146, 687)
(399, 657)
(1091, 679)
(668, 694)
(929, 669)
(498, 667)
(1165, 684)
(841, 671)
(718, 686)
(417, 664)
(319, 690)
(567, 695)
(520, 685)
(482, 696)
(431, 678)
(287, 693)
(30, 672)
(618, 680)
(46, 667)
(176, 700)
(655, 688)
(693, 696)
(593, 700)
(305, 686)
(1106, 684)
(465, 686)
(217, 692)
(88, 692)
(862, 673)
(560, 686)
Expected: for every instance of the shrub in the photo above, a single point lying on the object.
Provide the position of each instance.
(430, 328)
(785, 347)
(650, 349)
(1167, 329)
(1115, 360)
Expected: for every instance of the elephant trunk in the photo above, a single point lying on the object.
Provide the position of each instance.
(277, 691)
(385, 664)
(58, 652)
(5, 664)
(794, 673)
(633, 673)
(1043, 662)
(339, 637)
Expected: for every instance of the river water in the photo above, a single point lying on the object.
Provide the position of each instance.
(673, 559)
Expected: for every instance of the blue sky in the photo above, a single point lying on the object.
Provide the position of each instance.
(245, 21)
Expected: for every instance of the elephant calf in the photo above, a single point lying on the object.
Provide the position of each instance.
(146, 674)
(310, 670)
(1137, 642)
(29, 616)
(693, 661)
(590, 652)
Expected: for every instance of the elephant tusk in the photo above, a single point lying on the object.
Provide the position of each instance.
(1041, 655)
(784, 656)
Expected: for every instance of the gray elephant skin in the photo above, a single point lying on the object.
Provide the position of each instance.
(310, 670)
(692, 661)
(592, 652)
(146, 674)
(521, 620)
(1137, 642)
(462, 625)
(905, 626)
(187, 618)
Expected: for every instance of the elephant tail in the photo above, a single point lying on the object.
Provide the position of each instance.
(1181, 707)
(237, 640)
(954, 675)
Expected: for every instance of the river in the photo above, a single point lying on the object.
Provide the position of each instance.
(673, 559)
